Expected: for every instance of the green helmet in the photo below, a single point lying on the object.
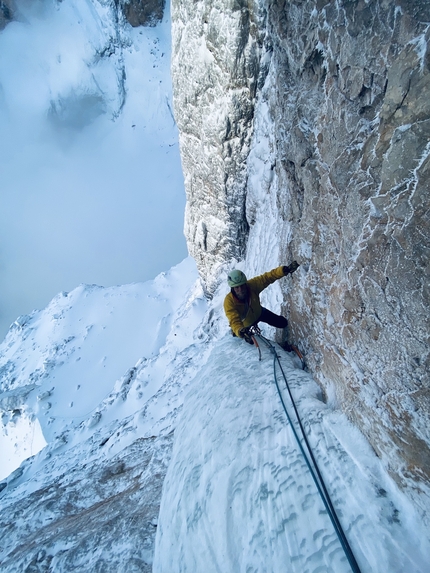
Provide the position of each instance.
(236, 278)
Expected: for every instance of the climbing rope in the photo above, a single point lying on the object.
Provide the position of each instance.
(314, 471)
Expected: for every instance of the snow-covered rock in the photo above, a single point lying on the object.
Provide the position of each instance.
(336, 176)
(217, 58)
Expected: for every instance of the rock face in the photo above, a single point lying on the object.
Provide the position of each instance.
(218, 59)
(319, 113)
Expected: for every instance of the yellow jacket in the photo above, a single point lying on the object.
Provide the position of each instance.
(241, 314)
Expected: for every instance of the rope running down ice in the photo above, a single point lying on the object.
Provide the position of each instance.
(314, 471)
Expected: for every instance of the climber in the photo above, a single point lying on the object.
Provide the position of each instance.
(242, 304)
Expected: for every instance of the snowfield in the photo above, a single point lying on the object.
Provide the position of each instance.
(238, 495)
(114, 378)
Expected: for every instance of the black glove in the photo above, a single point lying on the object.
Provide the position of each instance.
(291, 268)
(244, 333)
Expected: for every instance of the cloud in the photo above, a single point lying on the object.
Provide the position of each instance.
(91, 182)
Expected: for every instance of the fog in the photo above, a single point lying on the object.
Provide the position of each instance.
(91, 183)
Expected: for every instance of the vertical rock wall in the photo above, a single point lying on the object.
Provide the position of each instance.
(352, 170)
(216, 64)
(344, 114)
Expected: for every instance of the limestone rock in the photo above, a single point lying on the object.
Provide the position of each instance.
(313, 118)
(217, 62)
(355, 155)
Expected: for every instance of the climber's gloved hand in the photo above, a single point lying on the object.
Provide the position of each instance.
(244, 333)
(288, 270)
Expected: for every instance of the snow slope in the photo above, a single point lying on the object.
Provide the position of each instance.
(102, 371)
(115, 377)
(238, 495)
(60, 364)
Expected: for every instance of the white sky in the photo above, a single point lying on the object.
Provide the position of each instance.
(84, 197)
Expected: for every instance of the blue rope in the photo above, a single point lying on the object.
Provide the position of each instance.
(318, 482)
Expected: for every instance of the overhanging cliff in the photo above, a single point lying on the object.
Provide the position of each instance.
(321, 108)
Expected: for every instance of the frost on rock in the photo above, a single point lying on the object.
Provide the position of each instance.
(336, 177)
(216, 68)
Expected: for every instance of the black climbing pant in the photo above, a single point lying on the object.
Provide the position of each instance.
(271, 318)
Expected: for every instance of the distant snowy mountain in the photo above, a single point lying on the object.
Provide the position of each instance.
(100, 374)
(59, 364)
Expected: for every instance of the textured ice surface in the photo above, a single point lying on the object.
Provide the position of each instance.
(238, 495)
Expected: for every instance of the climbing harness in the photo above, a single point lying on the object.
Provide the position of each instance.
(309, 458)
